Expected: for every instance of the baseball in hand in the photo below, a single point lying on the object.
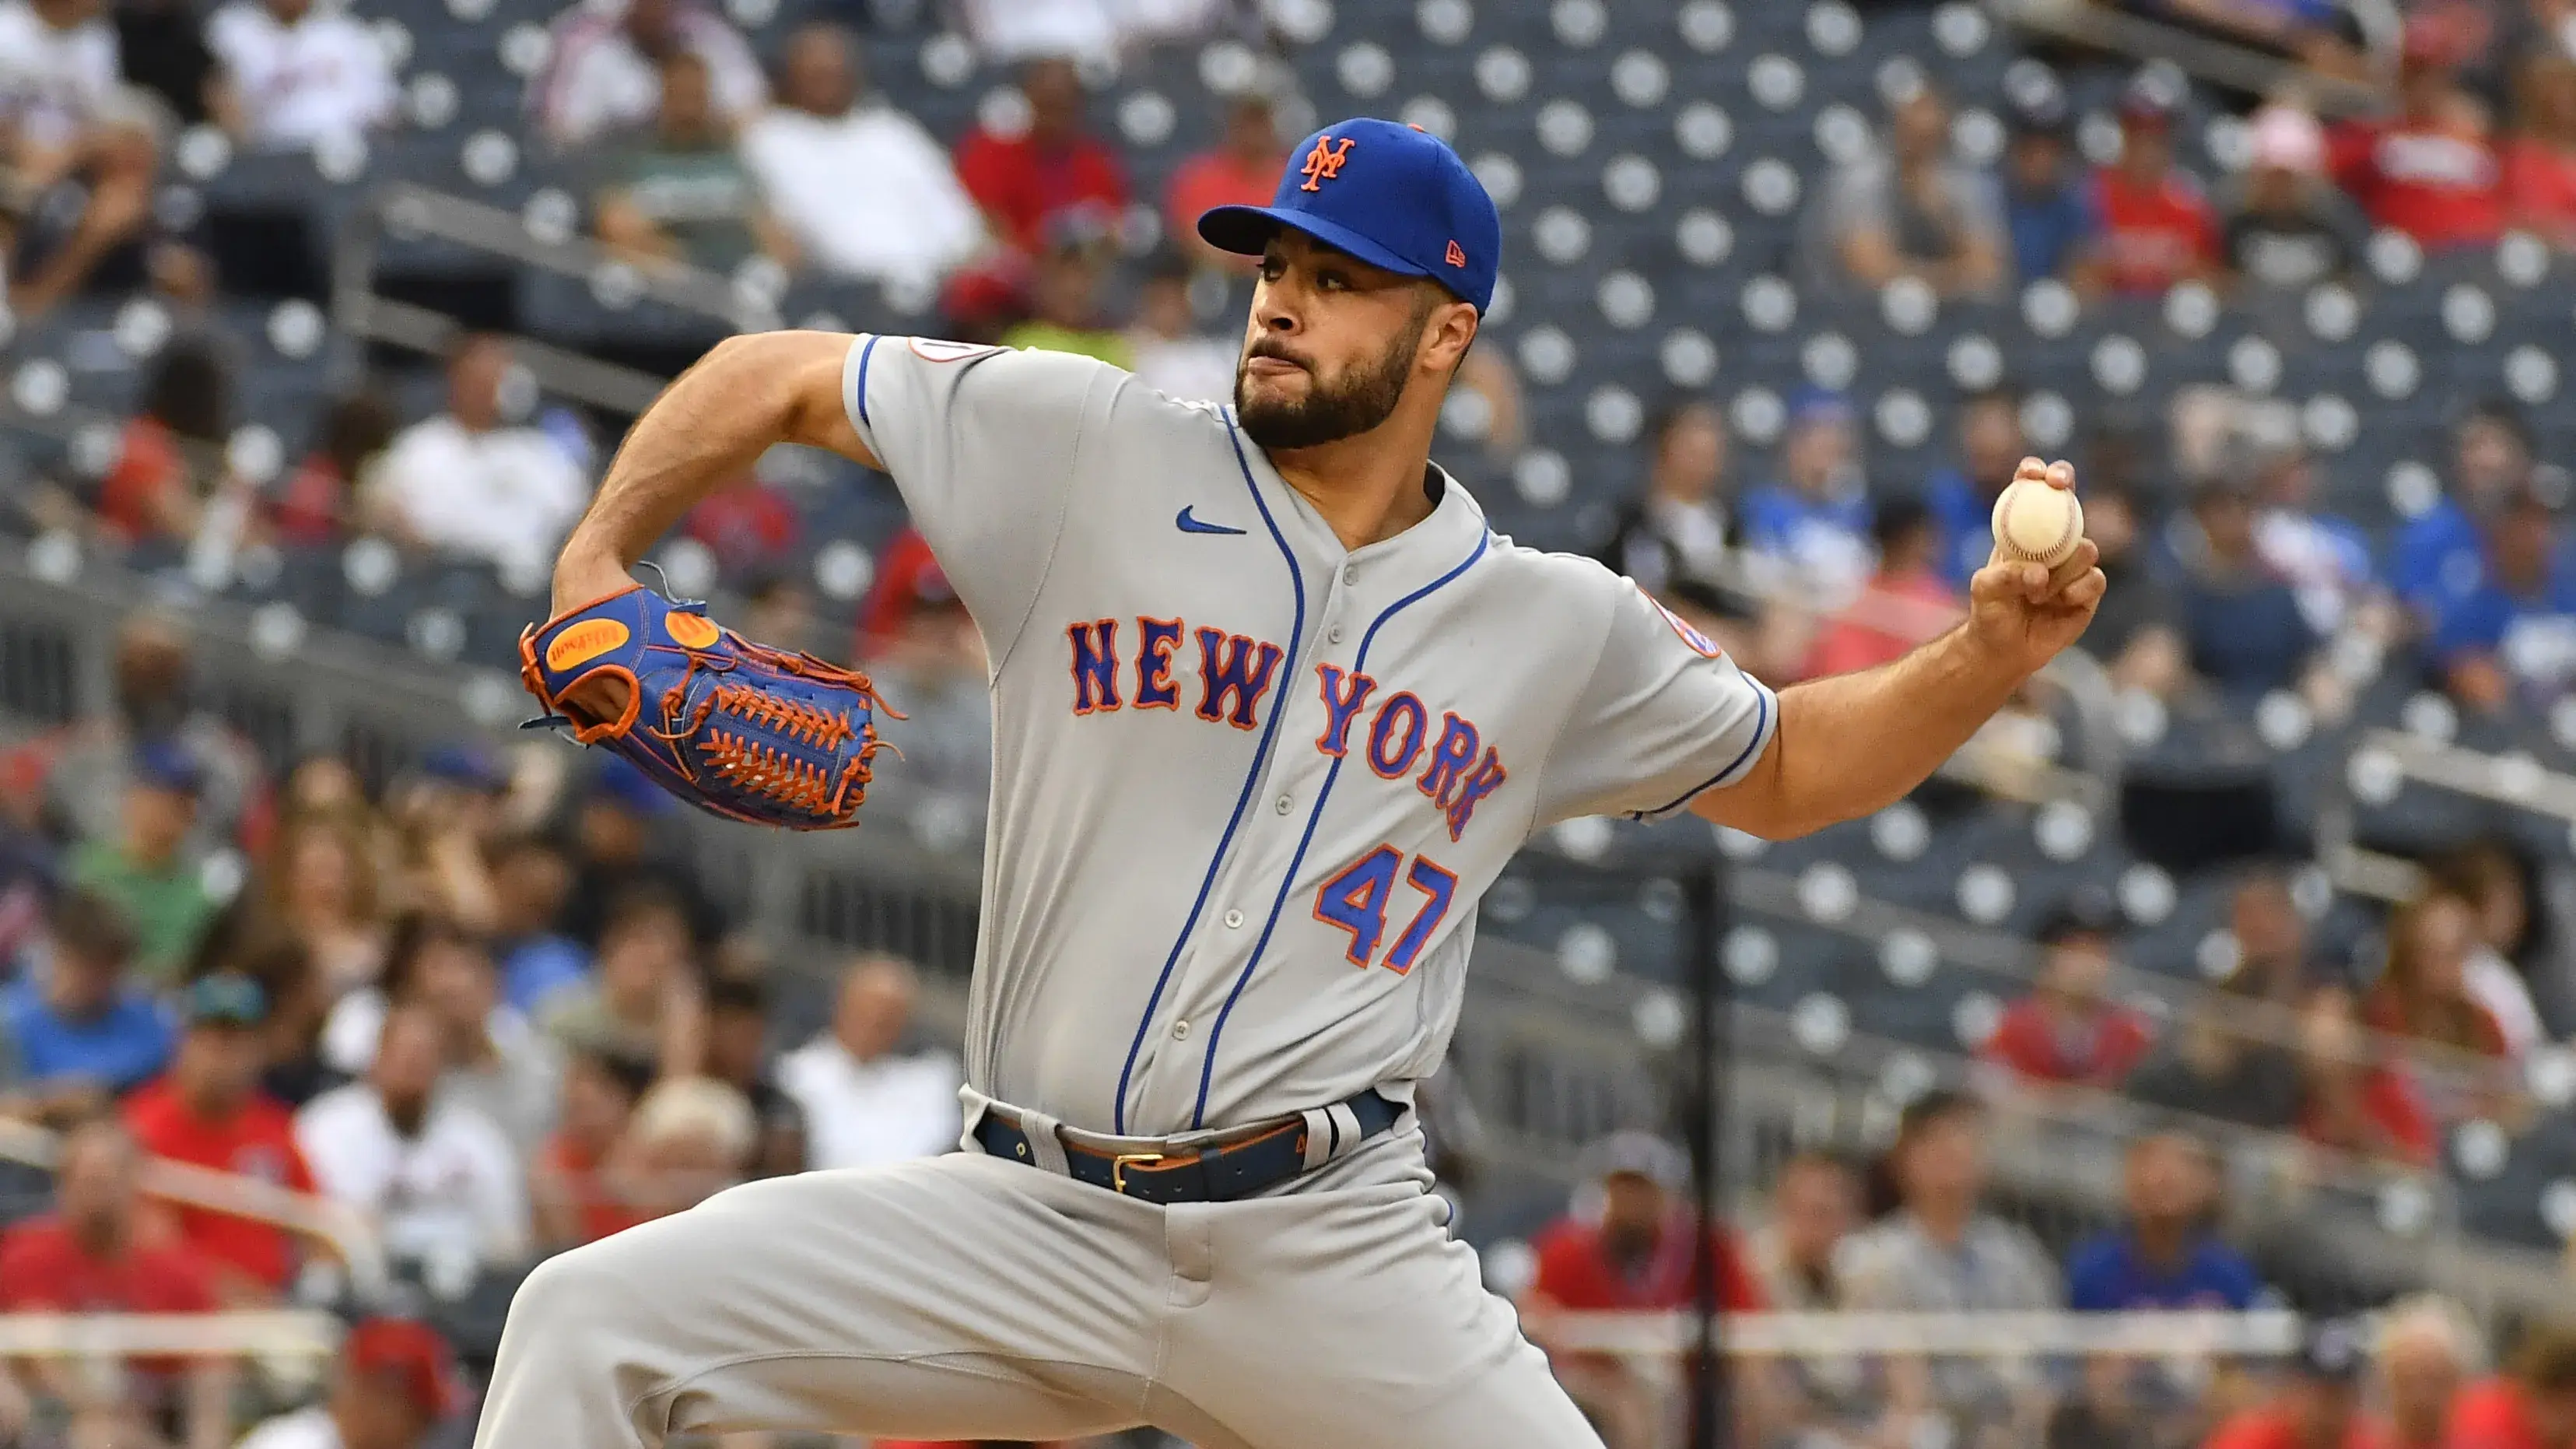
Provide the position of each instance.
(2039, 521)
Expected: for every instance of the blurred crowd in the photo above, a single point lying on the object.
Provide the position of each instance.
(2233, 577)
(1920, 1230)
(701, 155)
(2236, 579)
(2371, 1050)
(493, 1013)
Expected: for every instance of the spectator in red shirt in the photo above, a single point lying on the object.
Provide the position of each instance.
(2423, 995)
(2158, 227)
(2430, 173)
(2318, 1406)
(750, 526)
(2067, 1030)
(1053, 165)
(1906, 602)
(1637, 1256)
(208, 1110)
(312, 509)
(1241, 170)
(2530, 1406)
(909, 581)
(2423, 991)
(2540, 159)
(572, 1201)
(97, 1252)
(157, 488)
(2351, 1098)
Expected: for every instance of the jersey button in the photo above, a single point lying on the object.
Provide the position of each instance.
(1234, 920)
(1180, 1031)
(1336, 635)
(1350, 573)
(1286, 803)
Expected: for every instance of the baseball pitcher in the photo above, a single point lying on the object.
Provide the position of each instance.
(1273, 706)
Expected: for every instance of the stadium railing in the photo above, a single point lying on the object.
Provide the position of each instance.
(2384, 761)
(406, 210)
(345, 1231)
(289, 1336)
(2240, 67)
(2013, 962)
(1553, 1065)
(2260, 1334)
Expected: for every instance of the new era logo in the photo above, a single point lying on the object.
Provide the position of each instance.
(1324, 162)
(1457, 256)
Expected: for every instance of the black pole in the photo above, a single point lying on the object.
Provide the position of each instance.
(1702, 1112)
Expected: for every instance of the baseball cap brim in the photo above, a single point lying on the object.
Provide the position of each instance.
(1246, 230)
(225, 999)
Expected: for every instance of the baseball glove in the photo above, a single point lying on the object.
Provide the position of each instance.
(734, 727)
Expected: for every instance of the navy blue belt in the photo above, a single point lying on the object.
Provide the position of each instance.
(1212, 1173)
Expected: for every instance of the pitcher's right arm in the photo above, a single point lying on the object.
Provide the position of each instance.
(985, 444)
(748, 394)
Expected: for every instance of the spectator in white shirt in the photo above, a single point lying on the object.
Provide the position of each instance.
(1092, 30)
(463, 482)
(66, 114)
(606, 72)
(438, 1176)
(498, 1063)
(861, 186)
(59, 72)
(300, 73)
(865, 1102)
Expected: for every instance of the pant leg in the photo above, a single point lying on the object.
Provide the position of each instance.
(1350, 1318)
(951, 1298)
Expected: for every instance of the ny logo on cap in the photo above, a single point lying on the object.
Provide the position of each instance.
(1324, 162)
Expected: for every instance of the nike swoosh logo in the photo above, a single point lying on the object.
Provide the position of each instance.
(1192, 525)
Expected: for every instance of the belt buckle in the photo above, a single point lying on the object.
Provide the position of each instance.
(1118, 1168)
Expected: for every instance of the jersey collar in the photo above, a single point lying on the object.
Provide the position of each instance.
(1430, 547)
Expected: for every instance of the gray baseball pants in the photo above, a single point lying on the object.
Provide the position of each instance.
(963, 1297)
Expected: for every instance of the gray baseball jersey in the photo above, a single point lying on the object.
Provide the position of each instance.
(1249, 785)
(1247, 788)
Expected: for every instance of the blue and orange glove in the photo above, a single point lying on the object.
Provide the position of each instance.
(734, 727)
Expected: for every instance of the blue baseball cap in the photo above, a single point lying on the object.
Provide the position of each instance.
(1812, 404)
(224, 999)
(1392, 195)
(467, 766)
(167, 765)
(630, 789)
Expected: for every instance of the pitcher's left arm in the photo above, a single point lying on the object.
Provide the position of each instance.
(1853, 744)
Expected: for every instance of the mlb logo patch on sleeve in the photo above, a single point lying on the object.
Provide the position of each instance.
(1701, 644)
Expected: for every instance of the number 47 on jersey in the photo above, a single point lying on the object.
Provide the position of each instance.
(1356, 900)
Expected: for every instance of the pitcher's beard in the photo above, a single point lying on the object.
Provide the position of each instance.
(1355, 403)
